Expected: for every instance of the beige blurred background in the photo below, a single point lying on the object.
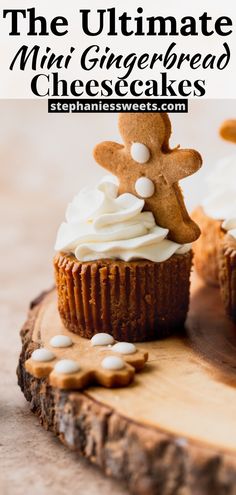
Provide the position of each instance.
(44, 160)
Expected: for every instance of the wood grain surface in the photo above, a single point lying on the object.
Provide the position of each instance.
(212, 334)
(183, 389)
(185, 397)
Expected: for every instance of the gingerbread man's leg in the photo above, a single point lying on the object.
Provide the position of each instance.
(172, 214)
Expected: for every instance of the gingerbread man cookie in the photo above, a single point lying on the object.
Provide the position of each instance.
(148, 168)
(74, 362)
(228, 130)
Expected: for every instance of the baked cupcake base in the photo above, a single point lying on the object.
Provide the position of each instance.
(134, 301)
(206, 248)
(227, 274)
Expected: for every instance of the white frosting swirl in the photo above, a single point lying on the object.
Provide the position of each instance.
(100, 224)
(220, 203)
(230, 226)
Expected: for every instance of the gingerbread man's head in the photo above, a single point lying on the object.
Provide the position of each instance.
(148, 168)
(153, 130)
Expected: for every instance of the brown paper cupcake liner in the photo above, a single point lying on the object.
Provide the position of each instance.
(134, 301)
(227, 274)
(206, 248)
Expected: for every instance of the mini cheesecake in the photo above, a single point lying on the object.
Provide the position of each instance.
(133, 301)
(206, 248)
(227, 274)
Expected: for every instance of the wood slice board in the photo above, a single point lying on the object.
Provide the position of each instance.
(174, 428)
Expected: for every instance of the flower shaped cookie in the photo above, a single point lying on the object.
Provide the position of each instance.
(77, 364)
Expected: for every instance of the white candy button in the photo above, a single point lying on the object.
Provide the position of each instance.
(124, 348)
(42, 355)
(144, 187)
(140, 152)
(66, 366)
(113, 363)
(102, 339)
(61, 341)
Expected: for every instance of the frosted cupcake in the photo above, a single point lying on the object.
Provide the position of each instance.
(216, 210)
(227, 267)
(218, 207)
(117, 270)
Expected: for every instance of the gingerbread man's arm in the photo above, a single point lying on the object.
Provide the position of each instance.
(110, 156)
(179, 164)
(228, 131)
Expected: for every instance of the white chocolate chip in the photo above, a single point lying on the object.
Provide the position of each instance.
(144, 187)
(102, 339)
(42, 355)
(140, 152)
(66, 366)
(181, 442)
(61, 341)
(113, 363)
(124, 348)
